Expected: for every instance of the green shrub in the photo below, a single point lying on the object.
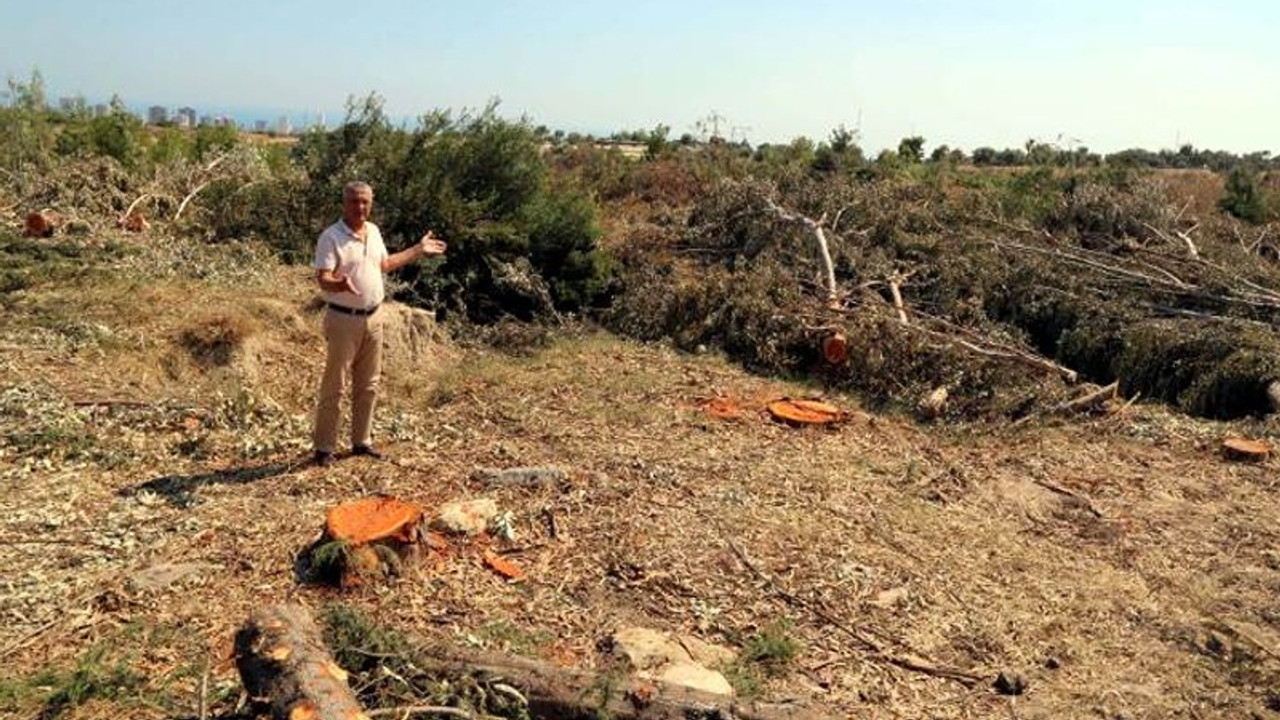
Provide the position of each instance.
(1243, 197)
(482, 183)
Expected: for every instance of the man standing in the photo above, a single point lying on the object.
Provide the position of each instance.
(350, 261)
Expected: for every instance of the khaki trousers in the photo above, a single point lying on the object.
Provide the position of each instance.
(355, 346)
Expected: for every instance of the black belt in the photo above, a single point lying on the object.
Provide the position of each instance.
(354, 311)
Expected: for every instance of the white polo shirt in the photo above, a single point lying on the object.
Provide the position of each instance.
(339, 249)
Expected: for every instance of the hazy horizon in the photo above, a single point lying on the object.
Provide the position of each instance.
(1109, 76)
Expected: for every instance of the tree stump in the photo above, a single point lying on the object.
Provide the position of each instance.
(366, 540)
(805, 412)
(835, 348)
(1235, 448)
(41, 224)
(285, 666)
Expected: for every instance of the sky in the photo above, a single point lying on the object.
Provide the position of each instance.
(1107, 75)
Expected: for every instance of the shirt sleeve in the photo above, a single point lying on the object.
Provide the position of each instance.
(326, 253)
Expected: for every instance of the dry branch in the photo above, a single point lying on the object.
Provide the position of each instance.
(191, 195)
(1066, 492)
(896, 291)
(1088, 401)
(815, 226)
(558, 692)
(909, 661)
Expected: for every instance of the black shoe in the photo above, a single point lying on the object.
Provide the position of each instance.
(322, 458)
(367, 451)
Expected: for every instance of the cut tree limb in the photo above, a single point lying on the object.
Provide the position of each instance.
(284, 665)
(1090, 400)
(815, 226)
(283, 662)
(558, 692)
(190, 196)
(896, 291)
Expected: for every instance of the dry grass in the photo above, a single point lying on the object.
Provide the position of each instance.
(945, 542)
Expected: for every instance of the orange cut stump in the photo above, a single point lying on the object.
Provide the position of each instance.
(805, 412)
(835, 348)
(371, 519)
(1235, 448)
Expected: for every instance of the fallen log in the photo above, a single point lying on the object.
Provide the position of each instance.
(558, 692)
(286, 668)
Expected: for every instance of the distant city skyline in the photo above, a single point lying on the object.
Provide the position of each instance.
(244, 117)
(1108, 74)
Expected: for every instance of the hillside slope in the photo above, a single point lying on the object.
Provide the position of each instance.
(155, 399)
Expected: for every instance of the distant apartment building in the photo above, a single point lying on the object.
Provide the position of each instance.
(283, 126)
(185, 117)
(260, 126)
(157, 115)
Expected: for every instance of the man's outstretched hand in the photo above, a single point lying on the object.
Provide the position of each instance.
(431, 245)
(348, 285)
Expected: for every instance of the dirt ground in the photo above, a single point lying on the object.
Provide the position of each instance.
(153, 491)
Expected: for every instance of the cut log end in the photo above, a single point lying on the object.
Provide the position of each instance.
(284, 665)
(41, 224)
(835, 348)
(370, 519)
(805, 412)
(1244, 450)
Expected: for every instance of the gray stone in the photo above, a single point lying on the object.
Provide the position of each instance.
(160, 576)
(707, 654)
(647, 649)
(520, 476)
(466, 517)
(694, 676)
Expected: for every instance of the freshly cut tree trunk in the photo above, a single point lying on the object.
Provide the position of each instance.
(285, 666)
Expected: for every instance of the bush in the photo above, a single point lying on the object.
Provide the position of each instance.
(481, 183)
(1243, 197)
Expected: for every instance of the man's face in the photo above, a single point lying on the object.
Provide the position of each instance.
(356, 208)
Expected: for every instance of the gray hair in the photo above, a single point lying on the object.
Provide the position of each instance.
(356, 187)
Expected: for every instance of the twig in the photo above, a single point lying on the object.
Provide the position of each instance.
(1191, 247)
(408, 710)
(1067, 492)
(183, 205)
(896, 291)
(134, 204)
(815, 226)
(1237, 630)
(906, 662)
(1089, 400)
(110, 401)
(203, 704)
(53, 541)
(26, 639)
(1002, 349)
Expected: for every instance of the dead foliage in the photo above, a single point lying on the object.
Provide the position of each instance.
(1003, 289)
